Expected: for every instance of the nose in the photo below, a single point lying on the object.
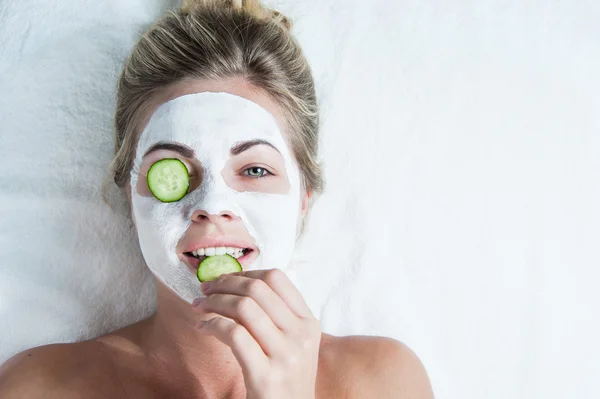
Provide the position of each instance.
(201, 215)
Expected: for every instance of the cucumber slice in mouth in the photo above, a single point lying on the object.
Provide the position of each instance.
(213, 266)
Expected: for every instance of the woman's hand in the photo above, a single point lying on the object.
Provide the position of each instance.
(274, 335)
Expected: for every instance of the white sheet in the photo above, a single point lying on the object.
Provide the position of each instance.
(461, 143)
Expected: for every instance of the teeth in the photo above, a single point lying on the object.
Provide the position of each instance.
(211, 251)
(238, 254)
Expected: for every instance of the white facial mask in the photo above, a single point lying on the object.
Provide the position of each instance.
(210, 124)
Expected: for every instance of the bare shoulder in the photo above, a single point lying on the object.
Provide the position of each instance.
(377, 367)
(51, 371)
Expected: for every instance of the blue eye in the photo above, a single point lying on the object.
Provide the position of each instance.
(257, 172)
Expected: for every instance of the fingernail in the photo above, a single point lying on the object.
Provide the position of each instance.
(205, 286)
(197, 301)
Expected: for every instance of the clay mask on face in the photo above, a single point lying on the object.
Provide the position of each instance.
(210, 124)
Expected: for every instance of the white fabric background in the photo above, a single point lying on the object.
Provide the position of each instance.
(462, 150)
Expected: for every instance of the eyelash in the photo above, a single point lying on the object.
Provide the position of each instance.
(267, 173)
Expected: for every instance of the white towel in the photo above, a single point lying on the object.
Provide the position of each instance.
(461, 142)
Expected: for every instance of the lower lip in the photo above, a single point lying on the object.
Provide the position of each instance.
(244, 260)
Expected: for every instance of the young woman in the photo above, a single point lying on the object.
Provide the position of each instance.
(222, 91)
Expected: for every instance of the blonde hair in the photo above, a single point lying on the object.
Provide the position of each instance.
(220, 39)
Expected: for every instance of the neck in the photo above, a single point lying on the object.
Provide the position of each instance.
(171, 338)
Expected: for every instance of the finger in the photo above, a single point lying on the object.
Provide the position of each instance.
(281, 284)
(245, 311)
(272, 304)
(245, 349)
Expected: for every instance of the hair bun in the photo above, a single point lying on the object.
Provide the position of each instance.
(281, 19)
(188, 6)
(253, 7)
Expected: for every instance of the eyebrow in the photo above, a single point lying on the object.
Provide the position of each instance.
(240, 147)
(183, 150)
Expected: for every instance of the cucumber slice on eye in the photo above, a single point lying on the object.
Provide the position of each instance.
(168, 180)
(213, 266)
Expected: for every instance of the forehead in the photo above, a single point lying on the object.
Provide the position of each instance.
(211, 122)
(236, 86)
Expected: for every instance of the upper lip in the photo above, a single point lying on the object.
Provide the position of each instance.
(208, 242)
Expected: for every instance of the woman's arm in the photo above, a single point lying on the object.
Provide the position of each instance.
(386, 368)
(44, 372)
(21, 377)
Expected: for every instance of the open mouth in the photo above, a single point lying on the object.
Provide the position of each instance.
(193, 258)
(202, 253)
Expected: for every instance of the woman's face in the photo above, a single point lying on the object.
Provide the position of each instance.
(245, 196)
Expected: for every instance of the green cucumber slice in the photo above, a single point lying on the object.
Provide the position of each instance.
(168, 180)
(213, 266)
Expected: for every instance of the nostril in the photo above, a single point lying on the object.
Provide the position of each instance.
(201, 215)
(226, 215)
